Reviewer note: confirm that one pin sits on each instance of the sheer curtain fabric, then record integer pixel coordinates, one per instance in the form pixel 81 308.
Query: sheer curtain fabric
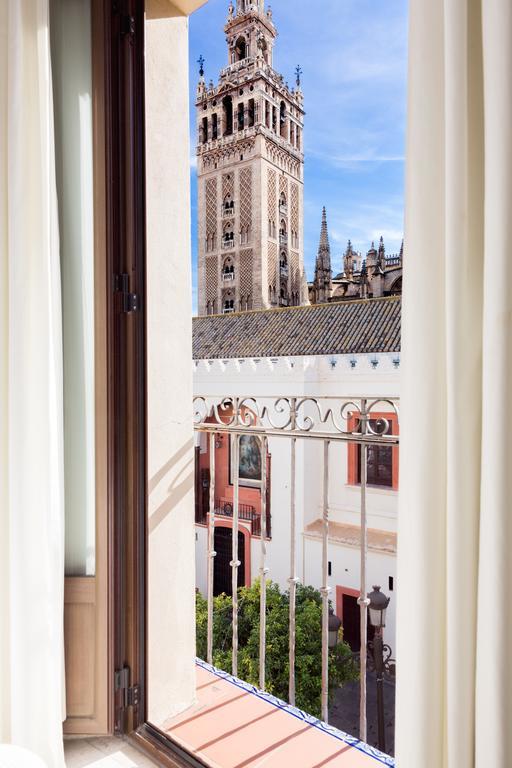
pixel 454 696
pixel 31 465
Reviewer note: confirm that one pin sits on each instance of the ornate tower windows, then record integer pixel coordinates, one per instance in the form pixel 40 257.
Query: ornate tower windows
pixel 283 233
pixel 228 207
pixel 283 207
pixel 228 301
pixel 204 131
pixel 241 49
pixel 267 114
pixel 283 264
pixel 292 133
pixel 241 116
pixel 251 113
pixel 215 126
pixel 228 270
pixel 274 119
pixel 227 106
pixel 228 236
pixel 283 125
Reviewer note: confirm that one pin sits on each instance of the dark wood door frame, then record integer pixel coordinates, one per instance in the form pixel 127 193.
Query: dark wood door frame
pixel 124 131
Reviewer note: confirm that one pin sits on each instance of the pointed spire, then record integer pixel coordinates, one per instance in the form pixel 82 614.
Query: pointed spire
pixel 323 271
pixel 324 235
pixel 402 251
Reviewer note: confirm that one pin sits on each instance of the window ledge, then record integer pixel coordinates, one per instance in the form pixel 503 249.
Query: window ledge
pixel 233 724
pixel 376 489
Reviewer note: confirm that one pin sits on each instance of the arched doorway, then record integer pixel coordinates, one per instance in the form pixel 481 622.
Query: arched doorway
pixel 222 568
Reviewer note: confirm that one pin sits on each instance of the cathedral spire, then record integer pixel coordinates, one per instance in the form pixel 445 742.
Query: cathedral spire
pixel 323 271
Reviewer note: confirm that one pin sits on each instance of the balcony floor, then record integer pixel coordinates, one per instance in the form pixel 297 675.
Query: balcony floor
pixel 233 725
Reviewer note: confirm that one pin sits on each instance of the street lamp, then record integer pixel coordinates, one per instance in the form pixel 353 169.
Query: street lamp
pixel 334 628
pixel 377 609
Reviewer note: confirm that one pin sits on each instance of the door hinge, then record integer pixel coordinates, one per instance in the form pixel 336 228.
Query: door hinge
pixel 129 301
pixel 127 25
pixel 130 693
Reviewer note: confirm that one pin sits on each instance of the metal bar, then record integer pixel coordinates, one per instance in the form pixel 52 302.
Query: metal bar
pixel 211 551
pixel 363 599
pixel 392 440
pixel 263 568
pixel 235 562
pixel 325 588
pixel 293 577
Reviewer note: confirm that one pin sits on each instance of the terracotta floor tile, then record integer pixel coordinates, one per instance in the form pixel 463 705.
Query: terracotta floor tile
pixel 230 727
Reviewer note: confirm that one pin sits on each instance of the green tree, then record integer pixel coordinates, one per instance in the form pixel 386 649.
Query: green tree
pixel 308 655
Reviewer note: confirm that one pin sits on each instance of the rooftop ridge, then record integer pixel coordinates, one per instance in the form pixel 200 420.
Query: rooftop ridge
pixel 351 302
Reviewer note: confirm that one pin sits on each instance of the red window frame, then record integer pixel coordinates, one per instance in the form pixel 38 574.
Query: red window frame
pixel 354 453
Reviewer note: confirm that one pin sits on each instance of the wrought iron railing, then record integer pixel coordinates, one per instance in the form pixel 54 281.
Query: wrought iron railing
pixel 246 512
pixel 325 420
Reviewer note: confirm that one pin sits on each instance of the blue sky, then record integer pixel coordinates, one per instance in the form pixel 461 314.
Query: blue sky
pixel 354 57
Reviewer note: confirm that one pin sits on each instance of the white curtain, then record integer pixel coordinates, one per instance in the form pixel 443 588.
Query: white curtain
pixel 31 414
pixel 454 645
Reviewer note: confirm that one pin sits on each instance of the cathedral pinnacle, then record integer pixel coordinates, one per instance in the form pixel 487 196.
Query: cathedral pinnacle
pixel 323 272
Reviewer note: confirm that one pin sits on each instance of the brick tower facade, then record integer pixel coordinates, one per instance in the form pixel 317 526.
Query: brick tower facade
pixel 250 168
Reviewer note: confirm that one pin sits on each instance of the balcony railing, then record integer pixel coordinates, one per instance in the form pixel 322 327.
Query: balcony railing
pixel 283 239
pixel 228 244
pixel 228 276
pixel 246 512
pixel 325 420
pixel 228 213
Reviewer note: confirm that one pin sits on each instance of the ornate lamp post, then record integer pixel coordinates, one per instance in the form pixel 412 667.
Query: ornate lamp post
pixel 377 609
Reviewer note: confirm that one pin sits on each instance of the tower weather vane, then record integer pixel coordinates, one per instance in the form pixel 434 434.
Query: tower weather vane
pixel 200 61
pixel 298 72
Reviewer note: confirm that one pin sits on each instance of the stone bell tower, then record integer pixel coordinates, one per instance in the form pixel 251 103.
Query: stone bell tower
pixel 250 169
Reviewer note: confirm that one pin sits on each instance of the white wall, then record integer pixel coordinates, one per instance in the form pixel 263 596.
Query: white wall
pixel 345 573
pixel 171 577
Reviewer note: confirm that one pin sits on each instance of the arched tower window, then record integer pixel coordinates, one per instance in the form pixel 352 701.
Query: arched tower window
pixel 227 104
pixel 204 130
pixel 228 269
pixel 282 121
pixel 228 236
pixel 228 206
pixel 240 49
pixel 282 203
pixel 283 264
pixel 241 116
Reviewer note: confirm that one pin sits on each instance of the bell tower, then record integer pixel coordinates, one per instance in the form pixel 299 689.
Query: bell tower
pixel 250 168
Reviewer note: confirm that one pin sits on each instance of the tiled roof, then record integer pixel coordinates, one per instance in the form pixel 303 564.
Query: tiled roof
pixel 350 327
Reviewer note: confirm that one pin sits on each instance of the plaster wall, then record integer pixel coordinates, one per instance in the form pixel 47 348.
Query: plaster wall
pixel 171 574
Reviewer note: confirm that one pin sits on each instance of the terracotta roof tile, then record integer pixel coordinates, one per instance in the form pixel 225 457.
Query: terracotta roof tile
pixel 350 327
